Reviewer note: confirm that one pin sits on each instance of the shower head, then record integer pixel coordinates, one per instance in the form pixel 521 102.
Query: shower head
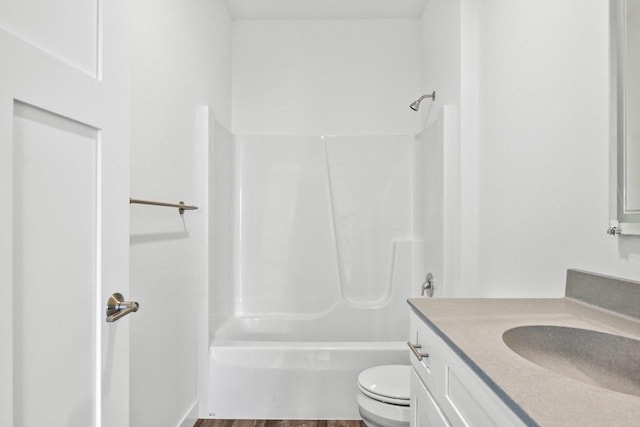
pixel 415 105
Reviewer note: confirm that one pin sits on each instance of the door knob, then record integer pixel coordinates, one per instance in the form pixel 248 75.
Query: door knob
pixel 117 307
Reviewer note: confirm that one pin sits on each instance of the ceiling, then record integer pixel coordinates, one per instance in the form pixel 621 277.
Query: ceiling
pixel 325 9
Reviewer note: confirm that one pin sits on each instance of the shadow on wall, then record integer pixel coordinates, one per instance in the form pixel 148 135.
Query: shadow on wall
pixel 136 239
pixel 160 219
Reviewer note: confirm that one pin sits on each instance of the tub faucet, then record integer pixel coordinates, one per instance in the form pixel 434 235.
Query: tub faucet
pixel 428 286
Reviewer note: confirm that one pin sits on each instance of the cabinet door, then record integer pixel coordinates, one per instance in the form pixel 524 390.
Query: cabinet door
pixel 425 412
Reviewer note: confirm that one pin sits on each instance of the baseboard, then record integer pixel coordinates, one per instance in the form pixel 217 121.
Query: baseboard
pixel 190 417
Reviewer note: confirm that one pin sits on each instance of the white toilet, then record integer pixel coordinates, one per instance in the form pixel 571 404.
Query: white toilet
pixel 384 396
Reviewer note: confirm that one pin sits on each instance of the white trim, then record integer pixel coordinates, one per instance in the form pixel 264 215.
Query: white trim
pixel 629 228
pixel 205 122
pixel 190 417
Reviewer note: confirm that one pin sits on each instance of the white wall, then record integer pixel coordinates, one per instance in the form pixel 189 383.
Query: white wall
pixel 440 54
pixel 534 146
pixel 319 77
pixel 543 164
pixel 180 59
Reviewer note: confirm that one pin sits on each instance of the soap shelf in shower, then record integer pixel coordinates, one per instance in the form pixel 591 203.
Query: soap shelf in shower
pixel 181 206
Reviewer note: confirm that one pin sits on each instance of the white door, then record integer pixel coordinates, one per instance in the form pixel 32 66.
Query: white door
pixel 64 220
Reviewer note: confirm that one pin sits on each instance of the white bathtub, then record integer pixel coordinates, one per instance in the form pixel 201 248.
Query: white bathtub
pixel 314 257
pixel 268 368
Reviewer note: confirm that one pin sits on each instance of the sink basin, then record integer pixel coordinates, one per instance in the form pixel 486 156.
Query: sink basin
pixel 596 358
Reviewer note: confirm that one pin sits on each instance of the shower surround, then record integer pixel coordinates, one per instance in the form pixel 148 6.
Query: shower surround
pixel 318 220
pixel 323 260
pixel 314 251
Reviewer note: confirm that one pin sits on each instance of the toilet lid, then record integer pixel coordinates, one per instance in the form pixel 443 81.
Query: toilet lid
pixel 389 383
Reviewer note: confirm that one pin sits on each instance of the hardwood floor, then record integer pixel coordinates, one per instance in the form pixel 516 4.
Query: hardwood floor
pixel 279 423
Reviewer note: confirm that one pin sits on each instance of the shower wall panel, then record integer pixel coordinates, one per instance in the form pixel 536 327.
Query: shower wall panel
pixel 222 224
pixel 370 189
pixel 436 199
pixel 287 254
pixel 429 198
pixel 321 219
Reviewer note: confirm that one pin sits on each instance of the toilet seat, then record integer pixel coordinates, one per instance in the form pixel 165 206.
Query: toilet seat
pixel 378 414
pixel 384 399
pixel 389 384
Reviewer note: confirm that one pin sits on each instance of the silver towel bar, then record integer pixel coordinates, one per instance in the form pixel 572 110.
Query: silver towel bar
pixel 181 206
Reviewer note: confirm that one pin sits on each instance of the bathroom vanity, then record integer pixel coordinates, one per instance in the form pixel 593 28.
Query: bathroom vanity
pixel 513 362
pixel 445 391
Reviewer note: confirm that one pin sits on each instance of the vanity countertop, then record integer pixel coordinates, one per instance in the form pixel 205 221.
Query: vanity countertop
pixel 473 328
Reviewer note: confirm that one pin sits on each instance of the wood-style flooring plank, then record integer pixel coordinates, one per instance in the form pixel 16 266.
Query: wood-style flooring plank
pixel 279 423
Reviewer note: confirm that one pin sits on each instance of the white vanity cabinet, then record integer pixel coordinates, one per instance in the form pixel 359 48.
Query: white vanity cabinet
pixel 444 389
pixel 425 412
